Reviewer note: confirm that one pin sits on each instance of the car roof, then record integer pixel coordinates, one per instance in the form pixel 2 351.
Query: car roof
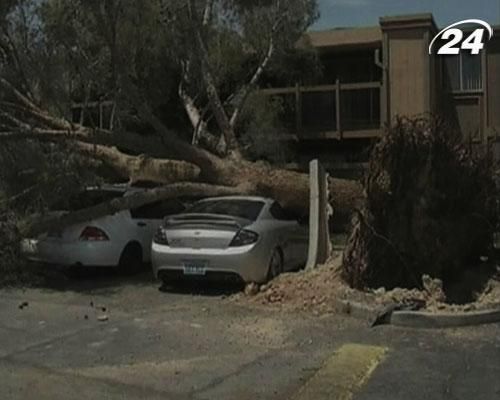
pixel 248 198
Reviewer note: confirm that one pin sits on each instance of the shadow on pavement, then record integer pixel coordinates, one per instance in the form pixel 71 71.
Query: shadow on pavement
pixel 87 279
pixel 202 288
pixel 110 280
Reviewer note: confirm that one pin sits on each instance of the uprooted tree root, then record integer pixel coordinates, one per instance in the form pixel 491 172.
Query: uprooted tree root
pixel 429 209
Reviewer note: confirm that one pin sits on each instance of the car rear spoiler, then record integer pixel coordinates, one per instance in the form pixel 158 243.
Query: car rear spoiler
pixel 202 219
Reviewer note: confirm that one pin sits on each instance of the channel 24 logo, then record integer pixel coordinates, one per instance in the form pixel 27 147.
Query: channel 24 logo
pixel 453 40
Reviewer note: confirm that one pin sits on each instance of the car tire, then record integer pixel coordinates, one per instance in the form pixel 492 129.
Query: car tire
pixel 131 259
pixel 275 264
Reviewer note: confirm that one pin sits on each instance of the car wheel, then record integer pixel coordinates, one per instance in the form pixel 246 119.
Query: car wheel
pixel 131 258
pixel 275 265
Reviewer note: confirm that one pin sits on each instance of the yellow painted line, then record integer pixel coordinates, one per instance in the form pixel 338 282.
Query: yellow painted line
pixel 343 374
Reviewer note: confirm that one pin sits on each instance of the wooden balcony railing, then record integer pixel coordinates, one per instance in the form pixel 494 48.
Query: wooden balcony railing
pixel 342 110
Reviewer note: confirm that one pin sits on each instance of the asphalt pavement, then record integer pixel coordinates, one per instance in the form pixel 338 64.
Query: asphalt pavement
pixel 122 338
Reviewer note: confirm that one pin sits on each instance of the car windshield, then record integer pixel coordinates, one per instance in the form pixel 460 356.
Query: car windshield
pixel 248 209
pixel 86 199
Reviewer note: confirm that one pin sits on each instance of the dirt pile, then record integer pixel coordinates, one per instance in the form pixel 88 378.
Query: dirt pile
pixel 322 291
pixel 490 296
pixel 317 290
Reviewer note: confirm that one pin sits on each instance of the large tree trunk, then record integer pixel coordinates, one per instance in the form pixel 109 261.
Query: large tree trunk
pixel 43 224
pixel 290 188
pixel 167 159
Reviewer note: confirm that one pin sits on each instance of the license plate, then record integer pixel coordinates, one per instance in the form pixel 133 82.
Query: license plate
pixel 195 268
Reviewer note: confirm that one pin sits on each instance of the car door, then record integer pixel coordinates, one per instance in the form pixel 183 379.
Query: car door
pixel 148 218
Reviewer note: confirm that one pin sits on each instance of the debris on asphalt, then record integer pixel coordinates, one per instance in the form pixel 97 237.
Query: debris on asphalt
pixel 85 317
pixel 23 305
pixel 251 289
pixel 322 291
pixel 102 318
pixel 434 288
pixel 491 293
pixel 316 290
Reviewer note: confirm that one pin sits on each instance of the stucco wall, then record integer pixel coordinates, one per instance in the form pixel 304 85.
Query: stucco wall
pixel 493 84
pixel 409 70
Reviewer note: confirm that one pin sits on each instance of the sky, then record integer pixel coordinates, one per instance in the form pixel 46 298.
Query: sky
pixel 347 13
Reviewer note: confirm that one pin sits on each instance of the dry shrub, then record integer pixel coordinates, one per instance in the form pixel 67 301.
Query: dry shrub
pixel 429 208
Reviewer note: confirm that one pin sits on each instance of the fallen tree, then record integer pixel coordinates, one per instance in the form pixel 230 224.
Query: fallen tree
pixel 44 224
pixel 200 168
pixel 212 162
pixel 429 209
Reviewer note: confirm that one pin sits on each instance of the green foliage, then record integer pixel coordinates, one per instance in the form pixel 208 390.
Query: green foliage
pixel 104 40
pixel 45 172
pixel 74 50
pixel 33 176
pixel 262 130
pixel 237 38
pixel 301 65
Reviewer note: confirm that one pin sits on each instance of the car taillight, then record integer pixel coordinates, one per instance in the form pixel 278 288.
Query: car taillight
pixel 244 238
pixel 93 234
pixel 161 236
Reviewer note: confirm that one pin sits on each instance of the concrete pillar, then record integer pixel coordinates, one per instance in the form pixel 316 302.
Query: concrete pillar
pixel 319 213
pixel 411 71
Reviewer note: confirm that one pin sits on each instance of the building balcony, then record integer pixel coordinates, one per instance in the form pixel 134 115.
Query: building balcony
pixel 338 111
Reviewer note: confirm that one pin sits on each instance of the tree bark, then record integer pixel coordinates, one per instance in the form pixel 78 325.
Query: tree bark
pixel 50 223
pixel 142 168
pixel 290 188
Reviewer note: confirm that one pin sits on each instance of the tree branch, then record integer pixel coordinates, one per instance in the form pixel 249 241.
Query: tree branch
pixel 48 223
pixel 141 168
pixel 205 160
pixel 240 99
pixel 211 88
pixel 17 94
pixel 201 134
pixel 207 14
pixel 10 49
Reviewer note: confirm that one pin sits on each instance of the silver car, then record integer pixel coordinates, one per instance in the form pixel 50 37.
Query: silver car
pixel 249 239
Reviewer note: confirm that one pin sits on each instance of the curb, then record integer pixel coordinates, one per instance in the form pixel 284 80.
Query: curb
pixel 426 320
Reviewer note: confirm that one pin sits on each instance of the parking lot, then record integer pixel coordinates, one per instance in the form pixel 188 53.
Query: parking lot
pixel 112 337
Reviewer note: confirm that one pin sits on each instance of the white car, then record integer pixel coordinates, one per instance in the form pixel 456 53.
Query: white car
pixel 122 239
pixel 240 238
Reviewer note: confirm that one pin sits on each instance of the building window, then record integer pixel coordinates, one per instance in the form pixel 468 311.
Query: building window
pixel 464 72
